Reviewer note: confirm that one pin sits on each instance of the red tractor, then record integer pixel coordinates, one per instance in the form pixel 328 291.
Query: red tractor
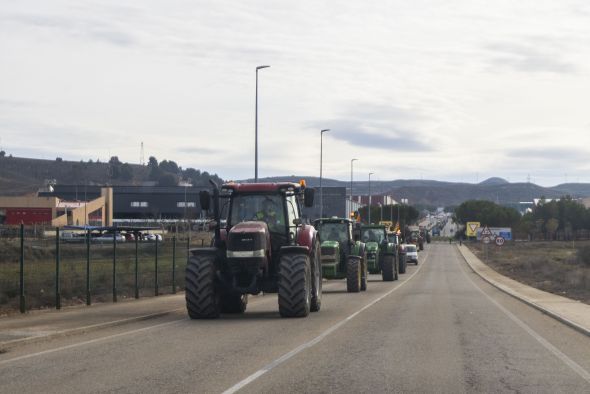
pixel 263 246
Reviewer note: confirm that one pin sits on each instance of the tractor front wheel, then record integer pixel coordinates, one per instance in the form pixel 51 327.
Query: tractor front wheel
pixel 295 286
pixel 234 303
pixel 353 274
pixel 202 297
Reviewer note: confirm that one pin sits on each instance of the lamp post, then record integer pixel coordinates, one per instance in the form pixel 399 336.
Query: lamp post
pixel 321 154
pixel 370 173
pixel 351 161
pixel 256 127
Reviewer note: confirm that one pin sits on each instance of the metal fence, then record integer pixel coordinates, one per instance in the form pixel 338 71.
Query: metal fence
pixel 47 271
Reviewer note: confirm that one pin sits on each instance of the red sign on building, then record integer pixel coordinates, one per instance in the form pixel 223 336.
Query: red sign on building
pixel 16 216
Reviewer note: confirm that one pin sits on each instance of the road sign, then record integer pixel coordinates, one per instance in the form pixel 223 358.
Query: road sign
pixel 499 241
pixel 486 232
pixel 486 240
pixel 471 229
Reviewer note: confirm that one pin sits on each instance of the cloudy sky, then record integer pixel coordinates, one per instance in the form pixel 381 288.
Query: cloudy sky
pixel 445 90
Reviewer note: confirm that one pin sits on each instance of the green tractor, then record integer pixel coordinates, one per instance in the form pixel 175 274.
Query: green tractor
pixel 381 253
pixel 341 255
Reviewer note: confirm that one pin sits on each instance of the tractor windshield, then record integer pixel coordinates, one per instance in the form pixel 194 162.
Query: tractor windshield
pixel 373 235
pixel 333 232
pixel 259 207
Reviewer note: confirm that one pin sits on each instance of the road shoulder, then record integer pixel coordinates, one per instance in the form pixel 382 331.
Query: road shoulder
pixel 570 312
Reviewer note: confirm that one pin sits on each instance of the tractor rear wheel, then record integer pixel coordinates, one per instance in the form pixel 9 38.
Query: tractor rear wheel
pixel 234 303
pixel 295 285
pixel 364 272
pixel 202 297
pixel 402 265
pixel 316 294
pixel 353 274
pixel 388 267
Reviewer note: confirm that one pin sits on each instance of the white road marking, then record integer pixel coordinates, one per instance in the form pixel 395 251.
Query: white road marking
pixel 89 342
pixel 241 384
pixel 59 349
pixel 577 368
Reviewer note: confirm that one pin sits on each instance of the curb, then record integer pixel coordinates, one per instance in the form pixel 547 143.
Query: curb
pixel 4 346
pixel 505 289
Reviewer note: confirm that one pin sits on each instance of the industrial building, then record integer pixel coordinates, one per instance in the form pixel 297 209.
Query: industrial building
pixel 56 211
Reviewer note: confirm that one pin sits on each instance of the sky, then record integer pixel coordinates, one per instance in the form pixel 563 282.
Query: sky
pixel 444 90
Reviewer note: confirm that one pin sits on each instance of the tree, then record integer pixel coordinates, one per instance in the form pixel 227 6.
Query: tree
pixel 126 172
pixel 487 213
pixel 2 153
pixel 114 160
pixel 167 179
pixel 551 226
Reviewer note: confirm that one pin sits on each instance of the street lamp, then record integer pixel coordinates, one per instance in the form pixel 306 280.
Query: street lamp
pixel 370 173
pixel 351 161
pixel 256 127
pixel 321 189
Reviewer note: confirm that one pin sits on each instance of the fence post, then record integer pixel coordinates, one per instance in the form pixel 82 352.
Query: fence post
pixel 156 293
pixel 173 265
pixel 22 269
pixel 88 300
pixel 136 266
pixel 188 246
pixel 57 281
pixel 114 266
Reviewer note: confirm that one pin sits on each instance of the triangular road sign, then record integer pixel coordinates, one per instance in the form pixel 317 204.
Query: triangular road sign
pixel 473 227
pixel 486 232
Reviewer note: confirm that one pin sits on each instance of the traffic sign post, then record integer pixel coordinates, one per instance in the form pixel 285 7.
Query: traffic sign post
pixel 499 241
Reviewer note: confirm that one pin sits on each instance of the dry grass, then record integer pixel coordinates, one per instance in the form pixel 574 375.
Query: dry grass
pixel 558 267
pixel 40 271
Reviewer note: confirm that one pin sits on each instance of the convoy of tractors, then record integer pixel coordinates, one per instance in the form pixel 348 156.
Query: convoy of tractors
pixel 261 244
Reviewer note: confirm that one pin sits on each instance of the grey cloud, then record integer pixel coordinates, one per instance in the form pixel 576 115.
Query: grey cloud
pixel 378 126
pixel 529 57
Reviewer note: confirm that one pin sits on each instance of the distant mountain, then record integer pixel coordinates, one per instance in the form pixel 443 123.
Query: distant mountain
pixel 436 193
pixel 494 181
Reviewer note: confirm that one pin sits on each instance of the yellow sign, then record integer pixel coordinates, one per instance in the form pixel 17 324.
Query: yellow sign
pixel 386 223
pixel 471 229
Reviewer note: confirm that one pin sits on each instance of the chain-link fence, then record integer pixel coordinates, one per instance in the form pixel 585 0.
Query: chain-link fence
pixel 41 269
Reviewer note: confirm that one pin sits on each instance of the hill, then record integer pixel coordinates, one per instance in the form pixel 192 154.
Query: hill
pixel 25 175
pixel 437 193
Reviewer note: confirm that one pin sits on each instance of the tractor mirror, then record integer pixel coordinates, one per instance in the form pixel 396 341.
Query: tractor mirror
pixel 205 200
pixel 308 197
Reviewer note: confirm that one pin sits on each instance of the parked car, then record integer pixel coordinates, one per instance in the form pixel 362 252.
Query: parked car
pixel 410 253
pixel 108 237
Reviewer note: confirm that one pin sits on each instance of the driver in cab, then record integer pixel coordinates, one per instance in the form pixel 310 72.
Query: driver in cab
pixel 271 215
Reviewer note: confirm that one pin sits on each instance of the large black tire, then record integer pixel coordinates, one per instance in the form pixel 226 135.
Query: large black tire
pixel 388 268
pixel 402 265
pixel 364 272
pixel 316 291
pixel 396 268
pixel 295 285
pixel 234 303
pixel 202 297
pixel 353 274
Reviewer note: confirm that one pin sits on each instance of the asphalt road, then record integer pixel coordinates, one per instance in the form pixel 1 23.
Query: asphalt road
pixel 439 329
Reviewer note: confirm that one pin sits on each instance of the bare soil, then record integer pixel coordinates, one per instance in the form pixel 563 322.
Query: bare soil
pixel 554 266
